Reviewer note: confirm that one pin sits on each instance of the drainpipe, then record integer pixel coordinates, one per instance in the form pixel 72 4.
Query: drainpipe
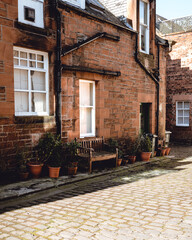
pixel 58 69
pixel 156 80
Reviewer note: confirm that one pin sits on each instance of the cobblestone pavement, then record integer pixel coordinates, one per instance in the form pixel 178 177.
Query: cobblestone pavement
pixel 156 204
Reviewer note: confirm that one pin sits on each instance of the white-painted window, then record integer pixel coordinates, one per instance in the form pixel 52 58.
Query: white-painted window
pixel 87 108
pixel 144 26
pixel 182 114
pixel 31 12
pixel 78 3
pixel 31 82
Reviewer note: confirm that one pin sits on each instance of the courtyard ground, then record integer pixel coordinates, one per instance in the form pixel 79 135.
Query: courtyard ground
pixel 155 203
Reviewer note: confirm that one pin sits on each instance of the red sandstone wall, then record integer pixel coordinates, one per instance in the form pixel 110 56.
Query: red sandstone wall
pixel 21 131
pixel 179 75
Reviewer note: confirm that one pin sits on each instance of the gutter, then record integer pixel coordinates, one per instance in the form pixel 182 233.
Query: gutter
pixel 58 69
pixel 155 80
pixel 91 70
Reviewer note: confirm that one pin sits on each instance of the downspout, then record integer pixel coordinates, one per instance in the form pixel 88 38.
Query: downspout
pixel 58 69
pixel 156 80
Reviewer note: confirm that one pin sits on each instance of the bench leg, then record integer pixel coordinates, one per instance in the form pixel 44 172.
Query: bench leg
pixel 116 156
pixel 90 166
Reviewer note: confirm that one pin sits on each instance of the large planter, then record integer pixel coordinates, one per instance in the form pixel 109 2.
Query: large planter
pixel 132 159
pixel 72 170
pixel 145 156
pixel 35 169
pixel 54 172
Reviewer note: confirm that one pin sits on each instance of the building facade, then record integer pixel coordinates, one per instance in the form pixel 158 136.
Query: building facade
pixel 74 68
pixel 179 74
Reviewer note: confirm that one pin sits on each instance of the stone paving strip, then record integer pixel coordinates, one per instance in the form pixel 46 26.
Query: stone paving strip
pixel 157 205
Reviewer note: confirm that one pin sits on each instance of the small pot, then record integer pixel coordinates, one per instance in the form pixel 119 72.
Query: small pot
pixel 119 161
pixel 162 151
pixel 167 151
pixel 23 175
pixel 145 156
pixel 132 159
pixel 72 171
pixel 155 154
pixel 125 161
pixel 54 172
pixel 35 169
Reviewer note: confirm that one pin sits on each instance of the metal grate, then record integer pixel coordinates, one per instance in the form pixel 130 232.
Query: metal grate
pixel 175 25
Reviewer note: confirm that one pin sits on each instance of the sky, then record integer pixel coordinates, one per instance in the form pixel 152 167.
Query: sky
pixel 171 9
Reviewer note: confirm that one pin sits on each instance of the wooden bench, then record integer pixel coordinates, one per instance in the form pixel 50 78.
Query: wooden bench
pixel 95 149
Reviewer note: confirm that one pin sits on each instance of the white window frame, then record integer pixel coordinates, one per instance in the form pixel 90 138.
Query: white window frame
pixel 177 114
pixel 78 3
pixel 147 26
pixel 93 109
pixel 39 12
pixel 29 91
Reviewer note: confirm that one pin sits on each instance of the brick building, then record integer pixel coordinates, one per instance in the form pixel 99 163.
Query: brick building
pixel 179 74
pixel 74 68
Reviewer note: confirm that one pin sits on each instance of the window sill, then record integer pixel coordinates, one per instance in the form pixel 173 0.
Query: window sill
pixel 30 28
pixel 34 119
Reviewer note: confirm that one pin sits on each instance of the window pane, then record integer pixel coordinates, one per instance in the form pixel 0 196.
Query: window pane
pixel 16 61
pixel 86 94
pixel 23 54
pixel 23 63
pixel 186 120
pixel 186 105
pixel 32 56
pixel 40 65
pixel 180 113
pixel 141 12
pixel 186 113
pixel 15 53
pixel 37 80
pixel 21 79
pixel 180 105
pixel 145 13
pixel 21 102
pixel 86 120
pixel 40 58
pixel 180 120
pixel 143 38
pixel 38 102
pixel 32 64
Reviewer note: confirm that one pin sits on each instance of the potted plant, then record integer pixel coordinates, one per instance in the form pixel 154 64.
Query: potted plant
pixel 131 149
pixel 71 155
pixel 54 161
pixel 145 148
pixel 112 146
pixel 42 152
pixel 21 159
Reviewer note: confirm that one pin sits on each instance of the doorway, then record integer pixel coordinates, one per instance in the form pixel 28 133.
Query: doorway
pixel 145 118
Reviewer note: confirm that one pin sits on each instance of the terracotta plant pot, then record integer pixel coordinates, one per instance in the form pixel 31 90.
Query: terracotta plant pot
pixel 145 156
pixel 119 161
pixel 132 159
pixel 125 161
pixel 72 171
pixel 167 151
pixel 54 172
pixel 23 175
pixel 35 169
pixel 155 154
pixel 162 152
